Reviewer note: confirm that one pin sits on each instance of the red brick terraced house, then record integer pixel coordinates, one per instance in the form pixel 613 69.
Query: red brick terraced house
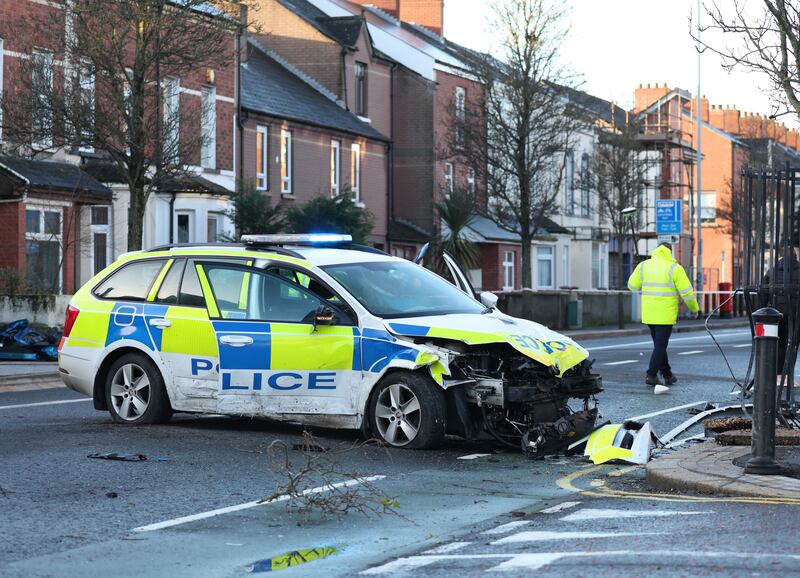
pixel 299 143
pixel 94 216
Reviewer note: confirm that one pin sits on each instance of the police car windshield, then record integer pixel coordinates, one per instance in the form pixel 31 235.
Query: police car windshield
pixel 392 289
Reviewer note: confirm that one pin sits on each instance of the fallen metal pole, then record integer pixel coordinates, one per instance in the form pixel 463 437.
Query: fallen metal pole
pixel 762 460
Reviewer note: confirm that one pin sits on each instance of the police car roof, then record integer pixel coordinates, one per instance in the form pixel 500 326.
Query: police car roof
pixel 322 256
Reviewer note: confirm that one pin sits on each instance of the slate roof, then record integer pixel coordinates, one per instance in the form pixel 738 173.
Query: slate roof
pixel 490 231
pixel 342 29
pixel 403 230
pixel 192 184
pixel 600 107
pixel 272 87
pixel 52 176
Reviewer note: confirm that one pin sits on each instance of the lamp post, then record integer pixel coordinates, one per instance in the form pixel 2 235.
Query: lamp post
pixel 628 213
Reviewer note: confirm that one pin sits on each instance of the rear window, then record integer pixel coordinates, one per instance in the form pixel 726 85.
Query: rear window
pixel 131 282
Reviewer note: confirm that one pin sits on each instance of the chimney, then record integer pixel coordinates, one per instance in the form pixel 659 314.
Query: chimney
pixel 646 96
pixel 427 13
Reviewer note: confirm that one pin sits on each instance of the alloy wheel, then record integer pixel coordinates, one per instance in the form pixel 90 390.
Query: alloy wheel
pixel 130 392
pixel 398 414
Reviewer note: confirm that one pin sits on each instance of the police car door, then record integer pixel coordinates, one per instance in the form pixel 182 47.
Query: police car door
pixel 275 354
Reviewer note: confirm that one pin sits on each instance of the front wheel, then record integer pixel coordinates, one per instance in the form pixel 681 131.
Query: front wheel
pixel 135 392
pixel 408 410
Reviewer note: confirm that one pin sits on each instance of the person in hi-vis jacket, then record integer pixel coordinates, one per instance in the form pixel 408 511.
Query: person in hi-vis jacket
pixel 662 282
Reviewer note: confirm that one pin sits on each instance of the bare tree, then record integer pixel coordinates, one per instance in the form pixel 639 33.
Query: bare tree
pixel 761 36
pixel 119 91
pixel 618 174
pixel 524 124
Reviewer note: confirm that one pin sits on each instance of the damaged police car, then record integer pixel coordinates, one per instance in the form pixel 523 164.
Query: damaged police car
pixel 316 330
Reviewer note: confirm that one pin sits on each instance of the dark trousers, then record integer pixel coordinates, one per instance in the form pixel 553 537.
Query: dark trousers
pixel 659 360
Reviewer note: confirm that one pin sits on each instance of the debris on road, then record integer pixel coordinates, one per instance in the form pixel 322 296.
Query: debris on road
pixel 291 559
pixel 112 495
pixel 119 457
pixel 723 424
pixel 19 342
pixel 630 442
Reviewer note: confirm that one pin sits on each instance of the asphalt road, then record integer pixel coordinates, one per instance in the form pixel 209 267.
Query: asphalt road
pixel 189 509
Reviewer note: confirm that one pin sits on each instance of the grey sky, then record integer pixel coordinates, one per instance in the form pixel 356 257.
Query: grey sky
pixel 617 44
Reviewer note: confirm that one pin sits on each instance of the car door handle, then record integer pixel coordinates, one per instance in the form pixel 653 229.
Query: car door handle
pixel 236 340
pixel 160 323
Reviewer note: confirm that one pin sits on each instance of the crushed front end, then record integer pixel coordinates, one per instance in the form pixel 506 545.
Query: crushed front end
pixel 494 391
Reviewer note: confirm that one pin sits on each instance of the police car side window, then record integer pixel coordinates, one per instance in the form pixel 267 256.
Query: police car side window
pixel 168 292
pixel 191 294
pixel 131 282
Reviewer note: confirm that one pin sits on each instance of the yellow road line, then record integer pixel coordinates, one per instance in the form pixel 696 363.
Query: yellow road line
pixel 600 491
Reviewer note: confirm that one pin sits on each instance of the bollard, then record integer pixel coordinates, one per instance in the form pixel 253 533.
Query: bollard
pixel 762 460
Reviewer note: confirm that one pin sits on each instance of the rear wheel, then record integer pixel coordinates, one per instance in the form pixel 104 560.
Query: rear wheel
pixel 135 392
pixel 408 410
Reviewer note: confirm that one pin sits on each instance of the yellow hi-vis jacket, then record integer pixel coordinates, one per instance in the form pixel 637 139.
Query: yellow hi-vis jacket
pixel 662 280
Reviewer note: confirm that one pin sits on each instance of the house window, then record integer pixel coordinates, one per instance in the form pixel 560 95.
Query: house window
pixel 336 147
pixel 361 89
pixel 509 276
pixel 544 261
pixel 100 235
pixel 261 158
pixel 43 237
pixel 565 266
pixel 569 183
pixel 460 115
pixel 355 171
pixel 586 208
pixel 172 99
pixel 208 127
pixel 213 227
pixel 86 82
pixel 599 257
pixel 184 226
pixel 471 180
pixel 286 162
pixel 448 179
pixel 708 209
pixel 42 85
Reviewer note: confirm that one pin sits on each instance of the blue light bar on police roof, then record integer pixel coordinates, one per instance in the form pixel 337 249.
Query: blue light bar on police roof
pixel 295 239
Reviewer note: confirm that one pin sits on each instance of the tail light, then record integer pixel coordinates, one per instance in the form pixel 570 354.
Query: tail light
pixel 69 319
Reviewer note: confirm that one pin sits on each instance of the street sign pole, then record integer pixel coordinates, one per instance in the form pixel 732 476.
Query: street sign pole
pixel 698 192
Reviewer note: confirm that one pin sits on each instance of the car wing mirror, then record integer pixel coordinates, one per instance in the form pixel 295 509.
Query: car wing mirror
pixel 324 316
pixel 489 299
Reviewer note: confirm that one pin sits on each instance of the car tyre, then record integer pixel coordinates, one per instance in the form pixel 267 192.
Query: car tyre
pixel 135 391
pixel 407 409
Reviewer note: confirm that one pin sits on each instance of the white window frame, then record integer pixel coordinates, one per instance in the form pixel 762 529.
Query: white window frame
pixel 586 199
pixel 361 88
pixel 192 231
pixel 449 172
pixel 172 116
pixel 336 157
pixel 262 177
pixel 218 219
pixel 460 115
pixel 86 84
pixel 706 208
pixel 101 230
pixel 569 182
pixel 46 114
pixel 355 171
pixel 471 181
pixel 208 127
pixel 509 270
pixel 42 235
pixel 549 258
pixel 2 58
pixel 565 273
pixel 286 162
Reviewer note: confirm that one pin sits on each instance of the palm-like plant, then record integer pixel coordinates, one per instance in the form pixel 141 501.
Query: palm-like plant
pixel 458 211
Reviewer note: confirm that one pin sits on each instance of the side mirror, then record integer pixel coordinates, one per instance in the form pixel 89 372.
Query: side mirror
pixel 324 316
pixel 489 299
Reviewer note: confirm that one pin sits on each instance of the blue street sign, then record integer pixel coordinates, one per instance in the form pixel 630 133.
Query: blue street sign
pixel 669 216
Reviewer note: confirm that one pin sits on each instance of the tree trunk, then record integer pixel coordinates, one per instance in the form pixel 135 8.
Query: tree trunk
pixel 527 270
pixel 136 219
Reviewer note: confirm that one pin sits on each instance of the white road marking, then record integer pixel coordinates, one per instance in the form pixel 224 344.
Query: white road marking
pixel 668 410
pixel 545 536
pixel 559 507
pixel 472 456
pixel 693 352
pixel 605 514
pixel 674 340
pixel 533 561
pixel 245 506
pixel 506 528
pixel 45 403
pixel 447 548
pixel 622 362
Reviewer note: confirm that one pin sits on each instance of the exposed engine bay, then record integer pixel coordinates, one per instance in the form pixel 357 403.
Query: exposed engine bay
pixel 496 392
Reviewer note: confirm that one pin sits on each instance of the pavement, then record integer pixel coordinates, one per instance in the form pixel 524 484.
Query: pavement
pixel 28 375
pixel 631 328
